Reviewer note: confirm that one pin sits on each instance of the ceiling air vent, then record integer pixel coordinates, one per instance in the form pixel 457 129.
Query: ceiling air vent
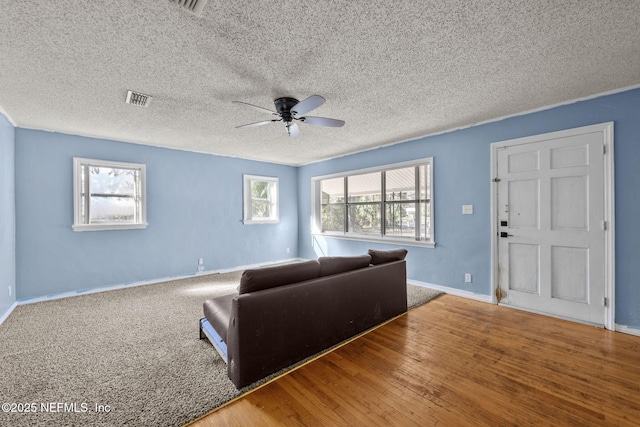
pixel 137 98
pixel 193 6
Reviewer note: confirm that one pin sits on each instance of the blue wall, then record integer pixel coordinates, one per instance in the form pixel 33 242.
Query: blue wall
pixel 195 207
pixel 194 210
pixel 462 174
pixel 7 216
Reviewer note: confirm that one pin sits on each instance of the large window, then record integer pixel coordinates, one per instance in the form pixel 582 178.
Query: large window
pixel 260 199
pixel 392 203
pixel 108 195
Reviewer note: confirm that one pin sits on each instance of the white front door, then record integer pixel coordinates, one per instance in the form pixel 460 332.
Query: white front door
pixel 551 225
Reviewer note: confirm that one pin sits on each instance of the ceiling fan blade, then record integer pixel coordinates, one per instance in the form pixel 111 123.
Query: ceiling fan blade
pixel 264 110
pixel 293 130
pixel 308 104
pixel 250 125
pixel 322 121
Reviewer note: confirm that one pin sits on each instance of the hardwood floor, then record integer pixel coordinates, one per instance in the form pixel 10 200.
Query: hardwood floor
pixel 456 362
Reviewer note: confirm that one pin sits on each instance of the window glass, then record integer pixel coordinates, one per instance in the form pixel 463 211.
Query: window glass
pixel 400 219
pixel 260 199
pixel 333 217
pixel 364 188
pixel 108 195
pixel 389 203
pixel 333 208
pixel 261 205
pixel 401 184
pixel 332 190
pixel 364 218
pixel 112 196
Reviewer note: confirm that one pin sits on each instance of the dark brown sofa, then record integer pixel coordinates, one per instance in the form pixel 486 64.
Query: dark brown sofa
pixel 283 314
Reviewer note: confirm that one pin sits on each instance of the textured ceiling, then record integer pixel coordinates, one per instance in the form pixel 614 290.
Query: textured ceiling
pixel 392 70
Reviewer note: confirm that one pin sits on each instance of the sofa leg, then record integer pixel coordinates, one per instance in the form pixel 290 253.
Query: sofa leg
pixel 202 335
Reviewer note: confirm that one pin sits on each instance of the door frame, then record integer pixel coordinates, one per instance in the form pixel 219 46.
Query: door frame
pixel 609 208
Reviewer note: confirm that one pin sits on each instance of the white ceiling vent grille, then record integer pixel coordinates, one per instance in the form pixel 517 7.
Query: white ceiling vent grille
pixel 137 98
pixel 193 6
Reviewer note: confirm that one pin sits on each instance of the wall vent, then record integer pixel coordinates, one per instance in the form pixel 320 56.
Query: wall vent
pixel 137 98
pixel 193 6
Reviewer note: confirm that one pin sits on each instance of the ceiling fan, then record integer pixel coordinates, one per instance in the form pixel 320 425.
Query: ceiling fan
pixel 288 110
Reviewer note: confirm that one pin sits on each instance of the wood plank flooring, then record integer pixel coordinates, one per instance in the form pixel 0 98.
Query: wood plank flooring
pixel 457 362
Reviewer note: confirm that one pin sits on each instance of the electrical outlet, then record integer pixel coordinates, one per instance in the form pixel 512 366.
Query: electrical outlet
pixel 467 278
pixel 467 209
pixel 9 290
pixel 288 250
pixel 200 264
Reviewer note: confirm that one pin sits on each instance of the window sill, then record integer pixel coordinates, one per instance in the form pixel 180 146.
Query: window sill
pixel 260 221
pixel 105 227
pixel 387 240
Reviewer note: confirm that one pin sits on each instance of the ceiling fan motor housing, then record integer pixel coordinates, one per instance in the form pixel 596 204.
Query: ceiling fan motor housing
pixel 284 106
pixel 289 109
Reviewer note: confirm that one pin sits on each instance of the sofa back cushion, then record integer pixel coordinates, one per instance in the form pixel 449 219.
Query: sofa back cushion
pixel 257 279
pixel 380 257
pixel 338 264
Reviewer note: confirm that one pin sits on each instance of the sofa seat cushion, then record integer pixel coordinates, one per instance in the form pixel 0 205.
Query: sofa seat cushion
pixel 218 312
pixel 339 264
pixel 270 277
pixel 381 257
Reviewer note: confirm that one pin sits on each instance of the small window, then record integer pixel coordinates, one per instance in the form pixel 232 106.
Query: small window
pixel 260 200
pixel 108 195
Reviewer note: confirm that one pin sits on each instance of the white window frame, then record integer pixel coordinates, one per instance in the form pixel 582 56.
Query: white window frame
pixel 80 222
pixel 273 199
pixel 316 206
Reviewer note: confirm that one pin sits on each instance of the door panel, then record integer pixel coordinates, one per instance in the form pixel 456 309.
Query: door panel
pixel 569 203
pixel 566 157
pixel 523 270
pixel 524 162
pixel 570 273
pixel 522 208
pixel 550 210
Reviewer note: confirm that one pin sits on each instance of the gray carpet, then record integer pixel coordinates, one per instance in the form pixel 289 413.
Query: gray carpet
pixel 135 351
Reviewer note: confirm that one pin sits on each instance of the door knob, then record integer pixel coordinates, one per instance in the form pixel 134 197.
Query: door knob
pixel 504 234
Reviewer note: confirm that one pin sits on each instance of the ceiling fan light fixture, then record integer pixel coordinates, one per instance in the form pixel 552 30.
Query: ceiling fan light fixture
pixel 292 129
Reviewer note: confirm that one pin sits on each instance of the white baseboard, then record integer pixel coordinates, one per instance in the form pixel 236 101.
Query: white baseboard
pixel 453 291
pixel 8 312
pixel 487 298
pixel 142 283
pixel 628 330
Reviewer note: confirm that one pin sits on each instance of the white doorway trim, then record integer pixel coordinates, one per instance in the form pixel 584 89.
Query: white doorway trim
pixel 609 214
